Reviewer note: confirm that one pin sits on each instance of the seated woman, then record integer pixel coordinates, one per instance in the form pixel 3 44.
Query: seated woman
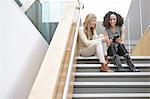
pixel 90 43
pixel 115 35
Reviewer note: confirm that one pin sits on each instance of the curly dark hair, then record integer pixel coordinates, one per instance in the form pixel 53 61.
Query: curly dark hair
pixel 106 21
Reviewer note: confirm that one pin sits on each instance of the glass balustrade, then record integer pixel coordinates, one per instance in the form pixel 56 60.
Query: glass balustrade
pixel 45 15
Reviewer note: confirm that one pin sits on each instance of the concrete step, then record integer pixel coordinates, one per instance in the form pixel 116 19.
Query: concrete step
pixel 113 79
pixel 99 90
pixel 95 60
pixel 112 74
pixel 90 83
pixel 132 57
pixel 113 69
pixel 96 67
pixel 112 96
pixel 111 84
pixel 146 65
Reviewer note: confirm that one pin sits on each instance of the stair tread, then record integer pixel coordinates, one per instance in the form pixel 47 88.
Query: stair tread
pixel 95 57
pixel 113 95
pixel 107 88
pixel 112 74
pixel 110 84
pixel 111 65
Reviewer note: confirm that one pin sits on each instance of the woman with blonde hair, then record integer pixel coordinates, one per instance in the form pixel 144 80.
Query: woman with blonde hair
pixel 90 43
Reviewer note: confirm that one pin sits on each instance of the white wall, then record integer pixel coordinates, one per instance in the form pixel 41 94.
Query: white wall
pixel 22 49
pixel 101 7
pixel 145 4
pixel 138 21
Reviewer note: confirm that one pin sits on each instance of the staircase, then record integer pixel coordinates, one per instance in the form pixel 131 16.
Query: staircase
pixel 90 83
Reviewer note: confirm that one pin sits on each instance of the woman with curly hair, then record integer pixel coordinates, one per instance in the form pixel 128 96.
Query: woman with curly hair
pixel 90 43
pixel 114 33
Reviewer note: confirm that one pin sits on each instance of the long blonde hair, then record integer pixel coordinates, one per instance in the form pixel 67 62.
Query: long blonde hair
pixel 87 27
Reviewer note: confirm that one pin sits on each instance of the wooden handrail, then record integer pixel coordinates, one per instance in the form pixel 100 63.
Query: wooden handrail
pixel 143 47
pixel 70 67
pixel 47 81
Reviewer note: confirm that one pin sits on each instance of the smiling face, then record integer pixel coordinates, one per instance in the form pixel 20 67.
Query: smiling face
pixel 113 20
pixel 93 23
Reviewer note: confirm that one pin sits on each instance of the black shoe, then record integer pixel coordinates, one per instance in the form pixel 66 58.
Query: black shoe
pixel 133 68
pixel 130 63
pixel 136 70
pixel 121 70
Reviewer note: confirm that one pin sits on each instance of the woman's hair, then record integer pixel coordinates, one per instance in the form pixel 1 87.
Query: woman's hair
pixel 87 25
pixel 106 21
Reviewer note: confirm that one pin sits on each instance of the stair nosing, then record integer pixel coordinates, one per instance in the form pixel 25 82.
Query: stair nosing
pixel 111 74
pixel 112 95
pixel 111 83
pixel 110 65
pixel 95 57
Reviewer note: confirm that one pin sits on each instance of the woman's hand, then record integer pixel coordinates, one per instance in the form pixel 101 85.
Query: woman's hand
pixel 109 42
pixel 122 42
pixel 119 40
pixel 100 36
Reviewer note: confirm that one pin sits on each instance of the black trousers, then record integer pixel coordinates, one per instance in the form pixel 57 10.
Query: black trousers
pixel 116 50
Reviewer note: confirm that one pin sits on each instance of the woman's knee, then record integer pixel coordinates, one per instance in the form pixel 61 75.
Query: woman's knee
pixel 99 43
pixel 111 50
pixel 122 49
pixel 96 44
